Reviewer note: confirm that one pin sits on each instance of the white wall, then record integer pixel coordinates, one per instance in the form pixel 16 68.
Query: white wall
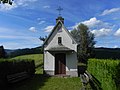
pixel 66 40
pixel 49 61
pixel 71 61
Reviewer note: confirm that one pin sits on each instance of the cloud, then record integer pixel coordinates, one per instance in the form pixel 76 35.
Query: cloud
pixel 101 32
pixel 109 11
pixel 92 22
pixel 97 27
pixel 116 46
pixel 98 46
pixel 23 44
pixel 49 28
pixel 22 41
pixel 117 33
pixel 70 28
pixel 6 7
pixel 102 45
pixel 41 22
pixel 47 6
pixel 16 3
pixel 24 2
pixel 20 37
pixel 95 23
pixel 32 29
pixel 11 45
pixel 16 38
pixel 39 19
pixel 7 37
pixel 10 31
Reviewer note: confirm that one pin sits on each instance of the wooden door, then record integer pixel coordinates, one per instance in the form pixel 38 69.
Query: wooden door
pixel 60 63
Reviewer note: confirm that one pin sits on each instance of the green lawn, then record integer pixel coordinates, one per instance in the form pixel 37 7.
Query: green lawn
pixel 38 58
pixel 41 82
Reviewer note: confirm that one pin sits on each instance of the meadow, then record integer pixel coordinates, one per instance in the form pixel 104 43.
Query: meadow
pixel 41 82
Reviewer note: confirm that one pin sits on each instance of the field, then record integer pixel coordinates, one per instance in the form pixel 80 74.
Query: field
pixel 41 82
pixel 38 58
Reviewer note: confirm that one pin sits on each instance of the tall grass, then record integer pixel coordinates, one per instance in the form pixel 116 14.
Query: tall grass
pixel 107 72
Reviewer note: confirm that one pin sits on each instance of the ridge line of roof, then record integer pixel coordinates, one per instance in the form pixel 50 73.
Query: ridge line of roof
pixel 54 29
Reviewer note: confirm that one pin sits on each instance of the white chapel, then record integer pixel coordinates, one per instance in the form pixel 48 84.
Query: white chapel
pixel 60 51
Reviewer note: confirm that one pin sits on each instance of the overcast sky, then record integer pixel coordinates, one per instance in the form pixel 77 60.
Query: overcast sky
pixel 25 21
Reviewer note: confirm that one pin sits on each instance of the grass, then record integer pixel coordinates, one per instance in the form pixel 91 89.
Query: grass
pixel 41 82
pixel 38 58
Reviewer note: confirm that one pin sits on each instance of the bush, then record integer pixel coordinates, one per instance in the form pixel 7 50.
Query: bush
pixel 2 52
pixel 106 72
pixel 8 67
pixel 81 68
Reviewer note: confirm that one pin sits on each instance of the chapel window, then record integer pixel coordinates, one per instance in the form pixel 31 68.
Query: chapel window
pixel 59 40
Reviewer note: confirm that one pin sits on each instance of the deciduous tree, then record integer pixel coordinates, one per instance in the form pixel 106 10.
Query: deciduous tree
pixel 85 40
pixel 6 1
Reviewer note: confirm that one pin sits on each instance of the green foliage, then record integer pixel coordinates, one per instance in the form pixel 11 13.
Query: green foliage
pixel 6 1
pixel 9 67
pixel 85 40
pixel 107 72
pixel 107 53
pixel 15 66
pixel 2 52
pixel 76 35
pixel 43 38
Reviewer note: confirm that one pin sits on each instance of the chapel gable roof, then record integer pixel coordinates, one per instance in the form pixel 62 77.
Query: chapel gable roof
pixel 58 23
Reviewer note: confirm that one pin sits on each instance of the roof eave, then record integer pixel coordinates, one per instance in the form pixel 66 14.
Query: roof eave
pixel 52 31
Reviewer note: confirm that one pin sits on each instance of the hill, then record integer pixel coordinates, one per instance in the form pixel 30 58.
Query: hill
pixel 99 53
pixel 8 51
pixel 107 53
pixel 25 51
pixel 38 58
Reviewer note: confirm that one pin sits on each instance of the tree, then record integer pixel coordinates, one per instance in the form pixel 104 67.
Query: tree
pixel 43 38
pixel 85 40
pixel 2 52
pixel 6 1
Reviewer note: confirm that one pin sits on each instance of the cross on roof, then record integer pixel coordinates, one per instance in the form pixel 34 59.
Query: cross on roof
pixel 59 10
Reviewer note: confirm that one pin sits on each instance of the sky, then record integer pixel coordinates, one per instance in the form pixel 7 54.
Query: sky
pixel 22 23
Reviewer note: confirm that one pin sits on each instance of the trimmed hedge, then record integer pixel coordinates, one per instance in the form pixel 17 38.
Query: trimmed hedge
pixel 9 67
pixel 107 72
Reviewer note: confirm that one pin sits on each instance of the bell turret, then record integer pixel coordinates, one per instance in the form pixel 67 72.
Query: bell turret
pixel 60 19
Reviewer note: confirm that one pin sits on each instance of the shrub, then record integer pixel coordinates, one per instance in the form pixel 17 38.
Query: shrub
pixel 107 73
pixel 8 67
